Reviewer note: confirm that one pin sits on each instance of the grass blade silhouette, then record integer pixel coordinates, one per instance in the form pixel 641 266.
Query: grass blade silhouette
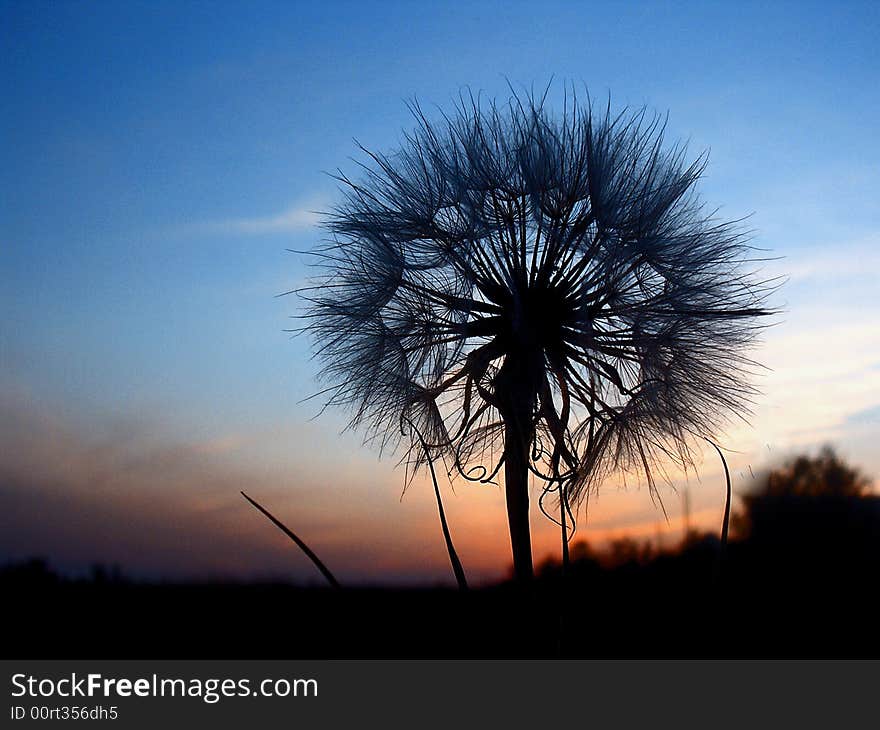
pixel 725 523
pixel 450 548
pixel 325 571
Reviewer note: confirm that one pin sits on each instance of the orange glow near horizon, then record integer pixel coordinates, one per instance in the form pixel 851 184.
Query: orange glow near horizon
pixel 169 506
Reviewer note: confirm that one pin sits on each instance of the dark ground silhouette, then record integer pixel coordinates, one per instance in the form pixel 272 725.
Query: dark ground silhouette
pixel 770 601
pixel 800 580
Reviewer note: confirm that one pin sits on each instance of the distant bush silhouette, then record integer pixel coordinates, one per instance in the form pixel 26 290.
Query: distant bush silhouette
pixel 825 475
pixel 809 507
pixel 543 293
pixel 814 513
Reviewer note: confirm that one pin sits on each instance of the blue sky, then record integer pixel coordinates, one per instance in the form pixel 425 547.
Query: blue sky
pixel 158 159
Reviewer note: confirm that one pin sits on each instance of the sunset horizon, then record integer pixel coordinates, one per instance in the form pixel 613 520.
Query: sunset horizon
pixel 160 185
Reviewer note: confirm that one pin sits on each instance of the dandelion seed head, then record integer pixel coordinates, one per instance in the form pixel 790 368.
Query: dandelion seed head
pixel 556 270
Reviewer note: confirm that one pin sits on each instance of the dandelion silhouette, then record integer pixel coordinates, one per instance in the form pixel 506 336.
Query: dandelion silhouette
pixel 535 292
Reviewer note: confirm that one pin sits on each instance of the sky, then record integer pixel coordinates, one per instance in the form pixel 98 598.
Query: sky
pixel 159 160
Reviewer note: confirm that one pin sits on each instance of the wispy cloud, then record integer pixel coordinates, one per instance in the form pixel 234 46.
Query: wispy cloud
pixel 296 218
pixel 157 505
pixel 856 258
pixel 867 415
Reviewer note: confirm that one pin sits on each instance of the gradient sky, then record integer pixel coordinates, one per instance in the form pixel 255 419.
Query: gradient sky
pixel 158 159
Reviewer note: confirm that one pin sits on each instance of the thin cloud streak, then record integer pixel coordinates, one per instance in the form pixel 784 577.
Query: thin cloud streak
pixel 857 259
pixel 295 219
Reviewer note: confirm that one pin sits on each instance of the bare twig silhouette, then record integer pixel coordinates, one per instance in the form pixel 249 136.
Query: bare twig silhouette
pixel 325 571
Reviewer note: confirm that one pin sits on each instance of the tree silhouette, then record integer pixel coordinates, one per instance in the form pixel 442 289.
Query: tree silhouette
pixel 810 499
pixel 824 475
pixel 543 293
